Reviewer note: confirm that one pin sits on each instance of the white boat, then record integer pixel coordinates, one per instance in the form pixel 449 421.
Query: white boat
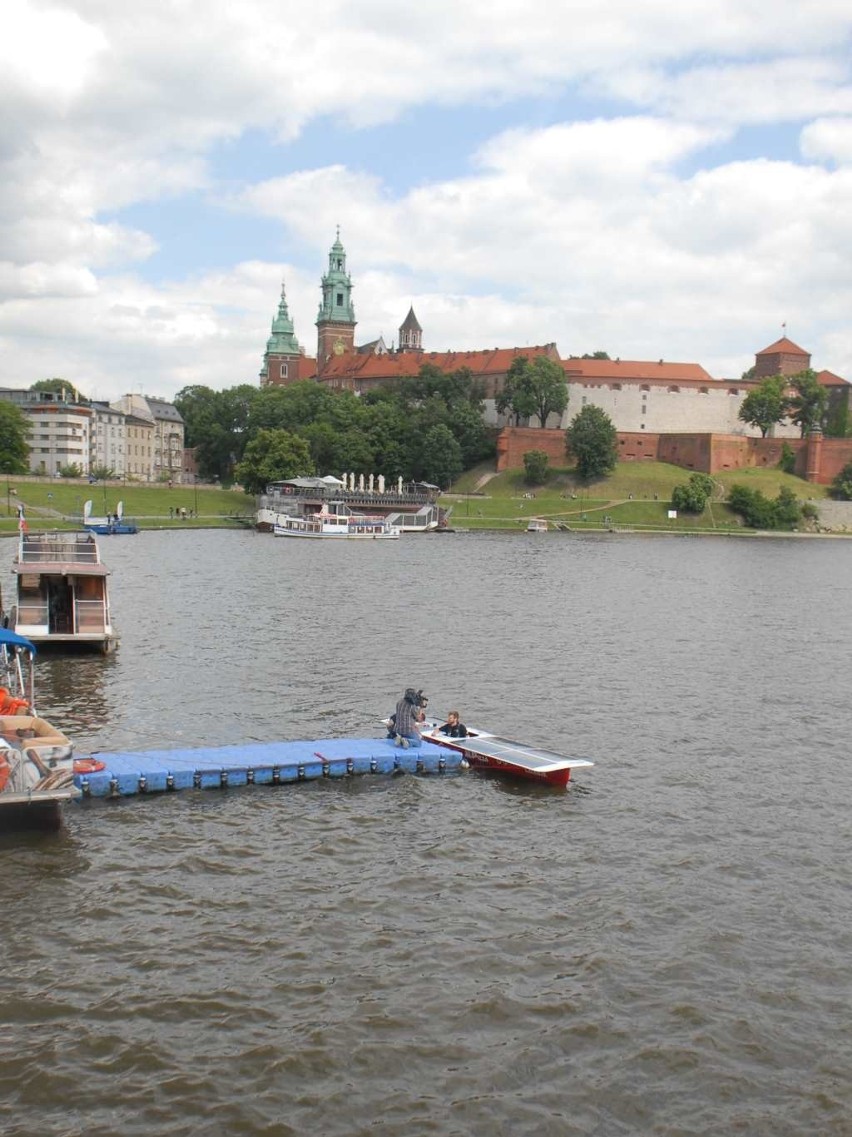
pixel 335 521
pixel 112 523
pixel 62 597
pixel 537 525
pixel 36 761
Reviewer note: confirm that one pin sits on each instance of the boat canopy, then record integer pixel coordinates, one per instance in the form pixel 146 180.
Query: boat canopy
pixel 12 639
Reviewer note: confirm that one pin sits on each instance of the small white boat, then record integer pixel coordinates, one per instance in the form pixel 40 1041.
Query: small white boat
pixel 36 761
pixel 335 521
pixel 112 523
pixel 490 752
pixel 537 525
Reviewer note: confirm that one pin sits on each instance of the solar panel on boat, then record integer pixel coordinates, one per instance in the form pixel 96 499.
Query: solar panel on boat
pixel 530 757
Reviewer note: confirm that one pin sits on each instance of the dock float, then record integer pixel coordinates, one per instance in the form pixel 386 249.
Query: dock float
pixel 125 774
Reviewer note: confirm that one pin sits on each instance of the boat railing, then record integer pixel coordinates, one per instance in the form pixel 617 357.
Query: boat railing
pixel 37 548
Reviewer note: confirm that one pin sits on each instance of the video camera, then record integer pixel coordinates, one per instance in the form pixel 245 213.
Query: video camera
pixel 416 698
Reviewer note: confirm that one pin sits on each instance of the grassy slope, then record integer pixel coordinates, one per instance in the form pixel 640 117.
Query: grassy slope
pixel 635 495
pixel 55 504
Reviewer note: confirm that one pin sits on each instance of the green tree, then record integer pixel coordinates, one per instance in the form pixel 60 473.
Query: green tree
pixel 215 424
pixel 759 512
pixel 693 497
pixel 441 461
pixel 14 432
pixel 534 388
pixel 766 404
pixel 593 441
pixel 787 461
pixel 841 487
pixel 58 387
pixel 271 456
pixel 536 464
pixel 807 407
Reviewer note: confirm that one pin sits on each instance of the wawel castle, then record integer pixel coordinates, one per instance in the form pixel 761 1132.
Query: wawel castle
pixel 672 411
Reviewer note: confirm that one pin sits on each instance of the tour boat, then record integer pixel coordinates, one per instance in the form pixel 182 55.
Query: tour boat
pixel 537 525
pixel 112 524
pixel 62 598
pixel 490 752
pixel 37 765
pixel 335 521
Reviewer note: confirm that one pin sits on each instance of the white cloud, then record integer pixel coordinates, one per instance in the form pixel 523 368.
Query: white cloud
pixel 599 234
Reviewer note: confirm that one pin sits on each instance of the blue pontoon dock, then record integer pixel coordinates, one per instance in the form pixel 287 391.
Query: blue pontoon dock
pixel 258 763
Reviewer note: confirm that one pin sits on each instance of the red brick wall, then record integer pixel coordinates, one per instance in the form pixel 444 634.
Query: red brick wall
pixel 705 453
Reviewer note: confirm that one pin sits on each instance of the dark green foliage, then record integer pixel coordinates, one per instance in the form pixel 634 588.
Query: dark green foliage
pixel 787 462
pixel 693 497
pixel 536 388
pixel 441 460
pixel 807 407
pixel 382 432
pixel 536 465
pixel 14 432
pixel 759 512
pixel 593 441
pixel 271 456
pixel 841 487
pixel 58 387
pixel 72 470
pixel 766 404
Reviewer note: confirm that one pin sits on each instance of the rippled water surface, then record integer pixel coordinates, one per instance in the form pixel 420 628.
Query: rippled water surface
pixel 662 949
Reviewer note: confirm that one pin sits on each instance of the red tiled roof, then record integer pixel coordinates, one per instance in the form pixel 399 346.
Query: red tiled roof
pixel 405 364
pixel 783 345
pixel 829 379
pixel 631 369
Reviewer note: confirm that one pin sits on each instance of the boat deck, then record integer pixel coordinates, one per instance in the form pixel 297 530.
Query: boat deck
pixel 531 758
pixel 258 763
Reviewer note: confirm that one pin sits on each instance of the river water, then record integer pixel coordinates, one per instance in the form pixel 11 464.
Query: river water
pixel 662 949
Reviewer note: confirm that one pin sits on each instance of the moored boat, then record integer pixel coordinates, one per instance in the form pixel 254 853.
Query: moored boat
pixel 537 525
pixel 335 520
pixel 111 524
pixel 490 752
pixel 62 597
pixel 36 760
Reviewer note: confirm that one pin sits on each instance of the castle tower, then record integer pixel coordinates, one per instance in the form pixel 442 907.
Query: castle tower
pixel 281 361
pixel 336 317
pixel 781 358
pixel 410 333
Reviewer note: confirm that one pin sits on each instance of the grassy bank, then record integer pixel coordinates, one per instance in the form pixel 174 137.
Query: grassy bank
pixel 58 504
pixel 636 495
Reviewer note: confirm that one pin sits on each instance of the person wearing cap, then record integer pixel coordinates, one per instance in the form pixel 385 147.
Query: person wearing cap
pixel 408 717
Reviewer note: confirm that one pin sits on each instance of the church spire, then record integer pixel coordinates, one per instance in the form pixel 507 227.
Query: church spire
pixel 280 360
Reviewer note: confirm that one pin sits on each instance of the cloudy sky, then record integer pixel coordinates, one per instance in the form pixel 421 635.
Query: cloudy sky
pixel 657 180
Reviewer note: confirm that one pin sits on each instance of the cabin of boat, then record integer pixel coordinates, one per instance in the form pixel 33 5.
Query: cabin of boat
pixel 62 597
pixel 336 520
pixel 411 507
pixel 537 525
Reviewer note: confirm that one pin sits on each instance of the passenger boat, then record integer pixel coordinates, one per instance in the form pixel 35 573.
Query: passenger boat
pixel 62 597
pixel 490 752
pixel 335 520
pixel 537 525
pixel 37 766
pixel 109 525
pixel 411 507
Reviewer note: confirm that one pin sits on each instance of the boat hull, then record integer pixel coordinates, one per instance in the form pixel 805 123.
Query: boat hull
pixel 489 753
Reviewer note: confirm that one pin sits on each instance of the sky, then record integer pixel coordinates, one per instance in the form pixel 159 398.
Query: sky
pixel 657 180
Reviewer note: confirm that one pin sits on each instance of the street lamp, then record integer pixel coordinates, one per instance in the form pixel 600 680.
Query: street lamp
pixel 195 485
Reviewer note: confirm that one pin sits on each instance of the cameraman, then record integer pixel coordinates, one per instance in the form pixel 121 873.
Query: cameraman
pixel 409 714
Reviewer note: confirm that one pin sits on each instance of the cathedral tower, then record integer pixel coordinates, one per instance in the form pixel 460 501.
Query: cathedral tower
pixel 336 317
pixel 282 361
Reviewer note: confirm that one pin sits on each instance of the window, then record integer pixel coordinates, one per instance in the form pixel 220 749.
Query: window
pixel 644 387
pixel 733 391
pixel 340 300
pixel 283 370
pixel 674 390
pixel 615 386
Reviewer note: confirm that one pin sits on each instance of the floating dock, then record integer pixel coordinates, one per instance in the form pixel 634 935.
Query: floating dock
pixel 258 763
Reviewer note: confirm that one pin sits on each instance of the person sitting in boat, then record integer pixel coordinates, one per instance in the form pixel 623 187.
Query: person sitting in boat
pixel 454 727
pixel 408 715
